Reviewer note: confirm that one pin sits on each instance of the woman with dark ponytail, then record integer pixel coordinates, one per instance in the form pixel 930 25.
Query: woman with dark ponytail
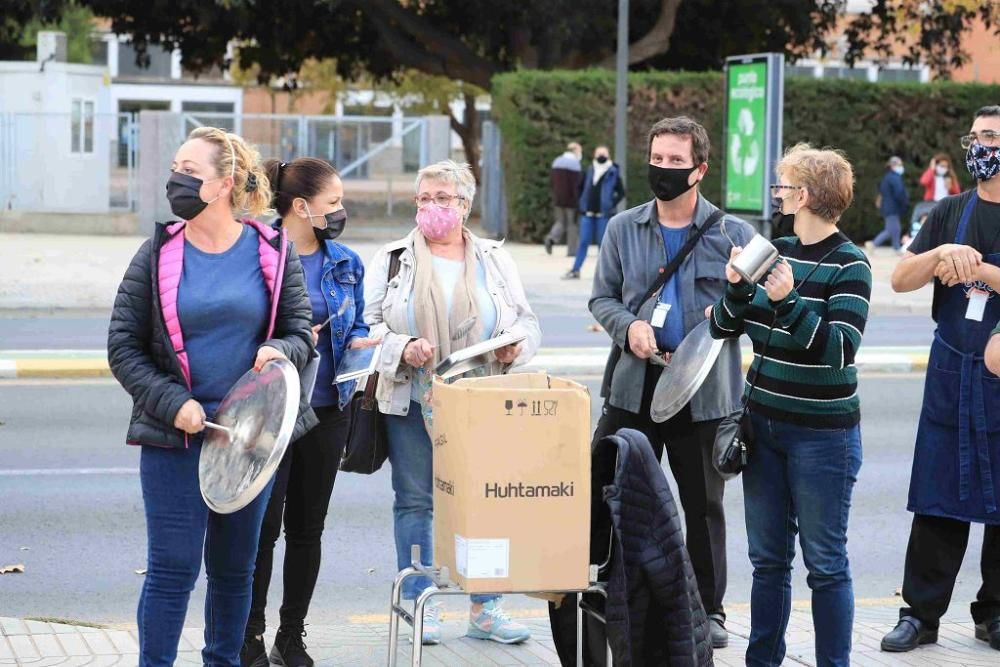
pixel 309 197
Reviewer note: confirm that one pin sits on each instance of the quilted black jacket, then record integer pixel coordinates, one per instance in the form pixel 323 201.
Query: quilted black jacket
pixel 654 612
pixel 143 360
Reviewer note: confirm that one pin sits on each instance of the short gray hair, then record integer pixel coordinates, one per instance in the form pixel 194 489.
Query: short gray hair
pixel 450 171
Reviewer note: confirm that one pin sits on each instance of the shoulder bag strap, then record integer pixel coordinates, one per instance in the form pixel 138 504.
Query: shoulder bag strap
pixel 672 266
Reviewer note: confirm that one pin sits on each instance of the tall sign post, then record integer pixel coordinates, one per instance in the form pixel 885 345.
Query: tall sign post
pixel 755 90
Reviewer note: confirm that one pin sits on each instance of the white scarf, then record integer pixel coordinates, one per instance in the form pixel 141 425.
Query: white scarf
pixel 601 169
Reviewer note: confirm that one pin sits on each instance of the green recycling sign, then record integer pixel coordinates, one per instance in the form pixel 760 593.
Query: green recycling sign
pixel 746 136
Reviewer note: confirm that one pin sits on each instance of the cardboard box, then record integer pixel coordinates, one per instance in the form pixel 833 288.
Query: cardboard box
pixel 512 483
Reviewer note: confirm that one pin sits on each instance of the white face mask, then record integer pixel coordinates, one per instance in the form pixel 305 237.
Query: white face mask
pixel 941 170
pixel 898 169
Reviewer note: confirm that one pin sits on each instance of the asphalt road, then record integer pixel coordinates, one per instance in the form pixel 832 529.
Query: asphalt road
pixel 71 512
pixel 563 325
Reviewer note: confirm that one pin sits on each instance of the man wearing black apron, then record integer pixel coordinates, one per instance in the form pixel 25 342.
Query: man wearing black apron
pixel 956 465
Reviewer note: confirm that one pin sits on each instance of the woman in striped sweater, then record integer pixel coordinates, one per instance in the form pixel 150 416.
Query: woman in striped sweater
pixel 806 321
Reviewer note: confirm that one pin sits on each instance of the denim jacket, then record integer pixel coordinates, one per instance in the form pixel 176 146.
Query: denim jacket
pixel 631 255
pixel 344 293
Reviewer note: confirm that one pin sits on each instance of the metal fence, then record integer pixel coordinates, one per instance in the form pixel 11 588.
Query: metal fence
pixel 80 162
pixel 86 162
pixel 361 147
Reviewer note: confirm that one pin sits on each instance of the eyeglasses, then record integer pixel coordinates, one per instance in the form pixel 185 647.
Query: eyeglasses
pixel 986 138
pixel 777 188
pixel 441 199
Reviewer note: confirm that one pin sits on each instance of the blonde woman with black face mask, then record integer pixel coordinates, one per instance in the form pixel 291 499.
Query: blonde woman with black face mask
pixel 206 283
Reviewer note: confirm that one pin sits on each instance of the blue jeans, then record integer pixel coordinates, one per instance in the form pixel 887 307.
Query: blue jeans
pixel 179 526
pixel 799 480
pixel 890 233
pixel 411 458
pixel 591 231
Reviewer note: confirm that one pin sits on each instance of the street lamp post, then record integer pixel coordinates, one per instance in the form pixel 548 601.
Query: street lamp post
pixel 621 91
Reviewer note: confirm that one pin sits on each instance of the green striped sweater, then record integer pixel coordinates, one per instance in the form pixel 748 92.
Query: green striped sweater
pixel 808 375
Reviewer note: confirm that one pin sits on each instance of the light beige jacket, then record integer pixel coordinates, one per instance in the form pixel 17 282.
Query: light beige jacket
pixel 387 304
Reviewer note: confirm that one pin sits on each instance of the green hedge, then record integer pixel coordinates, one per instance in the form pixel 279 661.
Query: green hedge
pixel 539 112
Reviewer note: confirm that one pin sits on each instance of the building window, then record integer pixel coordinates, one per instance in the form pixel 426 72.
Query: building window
pixel 82 127
pixel 800 70
pixel 898 74
pixel 158 63
pixel 845 73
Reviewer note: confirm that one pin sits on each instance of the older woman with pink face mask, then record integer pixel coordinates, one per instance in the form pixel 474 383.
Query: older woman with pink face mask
pixel 452 290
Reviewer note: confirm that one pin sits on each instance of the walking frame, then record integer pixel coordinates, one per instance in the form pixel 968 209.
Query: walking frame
pixel 442 585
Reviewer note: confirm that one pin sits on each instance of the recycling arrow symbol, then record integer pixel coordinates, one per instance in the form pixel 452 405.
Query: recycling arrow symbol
pixel 744 148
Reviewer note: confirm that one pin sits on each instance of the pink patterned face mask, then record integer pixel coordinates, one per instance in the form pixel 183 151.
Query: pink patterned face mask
pixel 437 222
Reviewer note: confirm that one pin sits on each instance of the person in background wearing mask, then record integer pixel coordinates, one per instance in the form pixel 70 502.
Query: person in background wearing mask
pixel 309 197
pixel 804 406
pixel 893 204
pixel 955 479
pixel 639 243
pixel 452 290
pixel 564 183
pixel 939 180
pixel 194 312
pixel 602 190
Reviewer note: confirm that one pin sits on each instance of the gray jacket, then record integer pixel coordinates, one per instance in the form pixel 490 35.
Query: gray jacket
pixel 386 307
pixel 631 255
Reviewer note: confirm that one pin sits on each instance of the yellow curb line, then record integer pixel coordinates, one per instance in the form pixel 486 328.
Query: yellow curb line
pixel 61 368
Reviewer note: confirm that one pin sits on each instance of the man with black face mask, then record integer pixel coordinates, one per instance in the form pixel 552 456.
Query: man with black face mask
pixel 639 244
pixel 955 480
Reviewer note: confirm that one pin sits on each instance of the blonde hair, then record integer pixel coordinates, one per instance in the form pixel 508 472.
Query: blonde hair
pixel 826 175
pixel 235 157
pixel 450 171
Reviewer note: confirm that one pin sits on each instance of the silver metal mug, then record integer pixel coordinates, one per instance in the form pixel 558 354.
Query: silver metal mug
pixel 756 259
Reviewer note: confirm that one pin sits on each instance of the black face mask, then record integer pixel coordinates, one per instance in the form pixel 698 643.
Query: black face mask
pixel 669 184
pixel 335 223
pixel 782 224
pixel 602 159
pixel 184 195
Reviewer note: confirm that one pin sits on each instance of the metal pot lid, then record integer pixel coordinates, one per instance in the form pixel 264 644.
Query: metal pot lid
pixel 688 368
pixel 474 356
pixel 260 410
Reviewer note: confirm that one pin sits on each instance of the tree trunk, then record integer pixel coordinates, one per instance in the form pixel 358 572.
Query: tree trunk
pixel 468 131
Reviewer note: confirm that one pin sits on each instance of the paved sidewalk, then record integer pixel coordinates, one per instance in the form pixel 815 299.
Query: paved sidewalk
pixel 41 644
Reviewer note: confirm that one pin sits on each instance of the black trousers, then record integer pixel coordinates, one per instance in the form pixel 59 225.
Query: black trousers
pixel 933 559
pixel 302 488
pixel 688 446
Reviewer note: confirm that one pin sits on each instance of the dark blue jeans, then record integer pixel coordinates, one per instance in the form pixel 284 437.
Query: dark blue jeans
pixel 799 480
pixel 592 230
pixel 412 459
pixel 179 527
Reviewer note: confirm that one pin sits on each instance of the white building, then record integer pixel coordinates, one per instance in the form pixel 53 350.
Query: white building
pixel 54 132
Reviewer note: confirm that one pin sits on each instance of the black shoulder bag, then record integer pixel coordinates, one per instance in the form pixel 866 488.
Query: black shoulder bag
pixel 735 437
pixel 661 280
pixel 365 450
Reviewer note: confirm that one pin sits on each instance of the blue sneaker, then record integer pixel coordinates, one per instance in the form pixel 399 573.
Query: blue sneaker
pixel 432 624
pixel 492 623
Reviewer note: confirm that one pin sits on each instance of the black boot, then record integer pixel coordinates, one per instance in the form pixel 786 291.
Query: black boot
pixel 289 650
pixel 717 628
pixel 253 653
pixel 908 634
pixel 989 631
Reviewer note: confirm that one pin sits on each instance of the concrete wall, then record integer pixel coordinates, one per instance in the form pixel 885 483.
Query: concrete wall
pixel 175 94
pixel 160 135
